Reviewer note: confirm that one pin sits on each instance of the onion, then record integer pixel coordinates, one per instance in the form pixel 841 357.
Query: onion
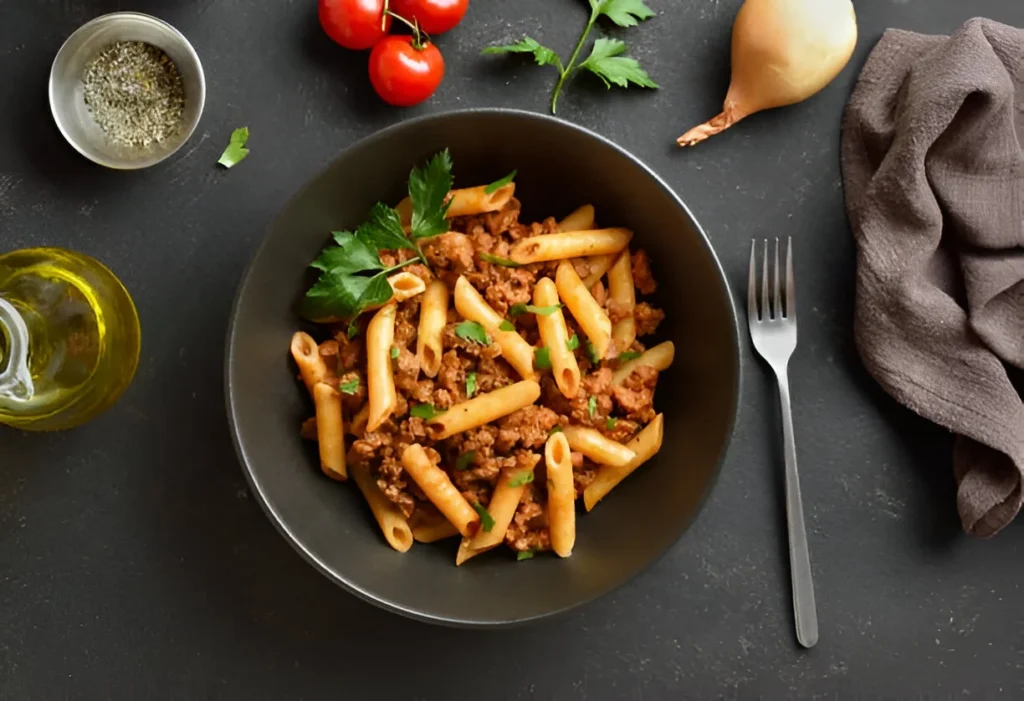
pixel 783 51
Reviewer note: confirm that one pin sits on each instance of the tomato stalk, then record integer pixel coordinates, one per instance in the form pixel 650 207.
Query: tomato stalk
pixel 420 39
pixel 384 17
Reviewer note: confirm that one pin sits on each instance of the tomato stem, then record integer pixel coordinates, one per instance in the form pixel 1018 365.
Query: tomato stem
pixel 420 39
pixel 384 16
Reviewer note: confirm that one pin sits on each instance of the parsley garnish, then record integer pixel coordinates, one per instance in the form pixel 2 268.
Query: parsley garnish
pixel 472 331
pixel 592 406
pixel 629 355
pixel 498 184
pixel 524 477
pixel 470 385
pixel 395 352
pixel 428 188
pixel 497 260
pixel 524 555
pixel 425 411
pixel 465 461
pixel 520 308
pixel 555 429
pixel 506 325
pixel 573 343
pixel 610 423
pixel 486 520
pixel 595 359
pixel 542 358
pixel 236 151
pixel 350 387
pixel 605 60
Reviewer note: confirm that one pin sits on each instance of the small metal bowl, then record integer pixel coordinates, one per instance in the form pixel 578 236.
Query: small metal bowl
pixel 66 89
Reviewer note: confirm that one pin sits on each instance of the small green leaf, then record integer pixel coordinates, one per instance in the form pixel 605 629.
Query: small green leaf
pixel 607 63
pixel 428 189
pixel 506 325
pixel 556 429
pixel 625 13
pixel 353 328
pixel 592 406
pixel 395 352
pixel 573 343
pixel 424 411
pixel 541 54
pixel 236 151
pixel 524 477
pixel 629 355
pixel 465 461
pixel 470 385
pixel 595 359
pixel 524 555
pixel 383 230
pixel 498 260
pixel 472 331
pixel 350 387
pixel 520 308
pixel 610 423
pixel 542 358
pixel 486 521
pixel 335 294
pixel 498 184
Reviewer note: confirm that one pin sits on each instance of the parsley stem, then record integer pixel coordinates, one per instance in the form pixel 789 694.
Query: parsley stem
pixel 403 264
pixel 565 72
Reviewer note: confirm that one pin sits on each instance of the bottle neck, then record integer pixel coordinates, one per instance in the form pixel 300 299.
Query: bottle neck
pixel 15 378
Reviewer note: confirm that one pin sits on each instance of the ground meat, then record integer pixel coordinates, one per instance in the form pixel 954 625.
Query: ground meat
pixel 635 396
pixel 406 322
pixel 350 351
pixel 621 430
pixel 365 449
pixel 643 279
pixel 502 286
pixel 391 480
pixel 583 477
pixel 577 460
pixel 528 427
pixel 328 351
pixel 617 311
pixel 529 527
pixel 352 396
pixel 452 251
pixel 449 339
pixel 493 373
pixel 501 221
pixel 406 372
pixel 599 293
pixel 647 319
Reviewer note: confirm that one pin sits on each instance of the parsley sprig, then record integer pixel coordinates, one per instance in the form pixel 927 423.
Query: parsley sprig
pixel 606 59
pixel 353 277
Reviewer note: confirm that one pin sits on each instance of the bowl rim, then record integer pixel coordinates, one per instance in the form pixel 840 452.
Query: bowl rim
pixel 169 29
pixel 323 567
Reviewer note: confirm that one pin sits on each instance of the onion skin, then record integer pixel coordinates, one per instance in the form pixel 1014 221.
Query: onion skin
pixel 783 51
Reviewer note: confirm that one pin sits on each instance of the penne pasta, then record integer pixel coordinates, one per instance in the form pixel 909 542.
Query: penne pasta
pixel 571 244
pixel 330 434
pixel 483 408
pixel 433 317
pixel 622 293
pixel 306 354
pixel 561 494
pixel 380 380
pixel 502 507
pixel 658 357
pixel 389 517
pixel 514 348
pixel 431 529
pixel 599 265
pixel 357 426
pixel 580 219
pixel 438 488
pixel 644 445
pixel 405 285
pixel 596 446
pixel 588 314
pixel 475 200
pixel 555 336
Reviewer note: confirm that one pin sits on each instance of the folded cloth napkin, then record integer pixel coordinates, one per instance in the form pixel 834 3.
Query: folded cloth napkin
pixel 934 177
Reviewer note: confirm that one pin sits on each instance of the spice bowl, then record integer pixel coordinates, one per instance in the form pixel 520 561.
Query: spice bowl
pixel 170 127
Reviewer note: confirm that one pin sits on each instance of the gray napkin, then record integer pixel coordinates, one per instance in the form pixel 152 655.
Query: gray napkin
pixel 934 178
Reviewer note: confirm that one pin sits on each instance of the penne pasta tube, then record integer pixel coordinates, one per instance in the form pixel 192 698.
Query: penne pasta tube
pixel 645 444
pixel 380 379
pixel 599 265
pixel 658 357
pixel 404 209
pixel 433 317
pixel 431 529
pixel 571 244
pixel 475 200
pixel 561 494
pixel 389 517
pixel 588 314
pixel 555 336
pixel 514 348
pixel 306 354
pixel 596 446
pixel 622 292
pixel 405 285
pixel 438 488
pixel 330 434
pixel 502 507
pixel 483 409
pixel 357 426
pixel 580 219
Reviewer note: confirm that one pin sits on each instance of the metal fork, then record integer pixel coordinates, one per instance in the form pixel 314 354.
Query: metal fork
pixel 773 331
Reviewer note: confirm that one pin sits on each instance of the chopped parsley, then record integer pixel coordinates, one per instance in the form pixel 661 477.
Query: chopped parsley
pixel 556 429
pixel 506 325
pixel 425 411
pixel 498 260
pixel 573 343
pixel 592 406
pixel 520 308
pixel 542 358
pixel 350 387
pixel 486 520
pixel 524 477
pixel 472 331
pixel 610 423
pixel 595 359
pixel 465 461
pixel 498 184
pixel 470 385
pixel 236 151
pixel 395 352
pixel 629 355
pixel 524 555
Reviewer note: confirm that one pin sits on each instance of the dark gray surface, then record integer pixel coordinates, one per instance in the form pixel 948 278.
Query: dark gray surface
pixel 134 564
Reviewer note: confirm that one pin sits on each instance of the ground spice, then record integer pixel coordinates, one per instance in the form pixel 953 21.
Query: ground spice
pixel 135 94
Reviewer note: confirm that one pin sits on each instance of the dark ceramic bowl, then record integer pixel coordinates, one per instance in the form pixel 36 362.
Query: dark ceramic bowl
pixel 560 167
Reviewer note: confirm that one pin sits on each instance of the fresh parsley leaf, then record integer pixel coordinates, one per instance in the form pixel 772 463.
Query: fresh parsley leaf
pixel 524 555
pixel 350 387
pixel 520 308
pixel 486 520
pixel 395 352
pixel 607 63
pixel 542 358
pixel 351 255
pixel 353 328
pixel 541 54
pixel 424 411
pixel 573 343
pixel 465 461
pixel 336 294
pixel 610 423
pixel 506 325
pixel 428 188
pixel 472 331
pixel 629 355
pixel 556 429
pixel 498 260
pixel 470 385
pixel 236 151
pixel 383 229
pixel 625 13
pixel 595 359
pixel 524 477
pixel 592 406
pixel 498 184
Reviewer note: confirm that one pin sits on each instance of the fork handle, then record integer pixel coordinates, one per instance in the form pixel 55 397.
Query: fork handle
pixel 804 612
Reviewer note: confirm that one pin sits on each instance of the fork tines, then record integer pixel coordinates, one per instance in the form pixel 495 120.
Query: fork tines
pixel 777 306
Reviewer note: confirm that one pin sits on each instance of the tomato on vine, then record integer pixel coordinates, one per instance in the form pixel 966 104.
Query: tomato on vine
pixel 355 24
pixel 433 16
pixel 405 70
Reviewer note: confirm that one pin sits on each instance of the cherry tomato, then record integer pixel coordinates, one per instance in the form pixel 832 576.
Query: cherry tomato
pixel 355 24
pixel 405 72
pixel 434 16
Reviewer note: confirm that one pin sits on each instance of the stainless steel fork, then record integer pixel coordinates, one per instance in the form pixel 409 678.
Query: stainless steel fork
pixel 773 331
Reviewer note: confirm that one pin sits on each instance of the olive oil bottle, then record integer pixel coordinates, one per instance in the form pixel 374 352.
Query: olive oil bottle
pixel 69 339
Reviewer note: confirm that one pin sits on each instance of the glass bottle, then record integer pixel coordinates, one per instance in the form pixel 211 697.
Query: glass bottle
pixel 69 339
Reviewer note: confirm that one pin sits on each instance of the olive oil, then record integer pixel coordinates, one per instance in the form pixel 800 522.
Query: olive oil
pixel 69 339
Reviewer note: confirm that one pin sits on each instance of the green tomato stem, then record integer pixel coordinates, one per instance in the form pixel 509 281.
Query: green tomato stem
pixel 572 61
